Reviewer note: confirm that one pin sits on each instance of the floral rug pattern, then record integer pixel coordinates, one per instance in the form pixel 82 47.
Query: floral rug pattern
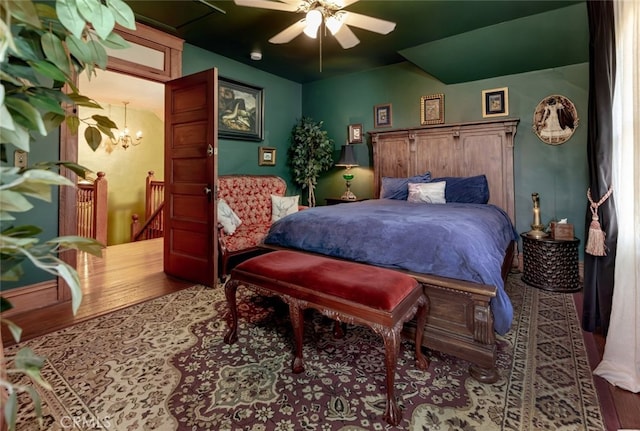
pixel 163 365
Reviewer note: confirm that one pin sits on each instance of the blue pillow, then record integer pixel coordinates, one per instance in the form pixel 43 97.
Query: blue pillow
pixel 470 190
pixel 398 188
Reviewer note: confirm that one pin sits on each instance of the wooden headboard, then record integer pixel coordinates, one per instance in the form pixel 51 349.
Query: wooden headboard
pixel 451 150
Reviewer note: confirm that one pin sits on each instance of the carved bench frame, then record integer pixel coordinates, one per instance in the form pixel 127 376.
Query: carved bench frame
pixel 387 324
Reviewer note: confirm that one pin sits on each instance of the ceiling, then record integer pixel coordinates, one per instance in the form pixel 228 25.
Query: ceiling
pixel 441 37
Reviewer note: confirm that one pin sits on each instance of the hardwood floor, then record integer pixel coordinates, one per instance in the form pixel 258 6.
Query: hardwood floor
pixel 127 274
pixel 132 273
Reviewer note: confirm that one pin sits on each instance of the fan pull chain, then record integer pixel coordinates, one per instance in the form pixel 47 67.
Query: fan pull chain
pixel 321 36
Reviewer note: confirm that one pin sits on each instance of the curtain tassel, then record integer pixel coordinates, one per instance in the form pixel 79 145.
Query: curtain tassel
pixel 596 241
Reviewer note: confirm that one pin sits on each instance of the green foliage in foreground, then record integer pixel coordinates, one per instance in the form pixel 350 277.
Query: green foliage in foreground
pixel 43 47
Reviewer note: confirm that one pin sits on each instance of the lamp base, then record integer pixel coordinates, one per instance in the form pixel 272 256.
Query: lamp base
pixel 348 196
pixel 537 232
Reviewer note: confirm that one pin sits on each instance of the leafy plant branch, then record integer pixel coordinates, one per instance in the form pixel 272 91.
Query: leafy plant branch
pixel 43 47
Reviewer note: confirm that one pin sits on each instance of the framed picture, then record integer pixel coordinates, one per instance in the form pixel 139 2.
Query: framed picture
pixel 355 133
pixel 266 156
pixel 382 115
pixel 555 119
pixel 240 111
pixel 495 102
pixel 432 109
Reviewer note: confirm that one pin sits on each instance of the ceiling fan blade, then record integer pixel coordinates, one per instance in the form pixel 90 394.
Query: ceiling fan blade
pixel 289 33
pixel 368 22
pixel 206 3
pixel 344 3
pixel 266 4
pixel 346 38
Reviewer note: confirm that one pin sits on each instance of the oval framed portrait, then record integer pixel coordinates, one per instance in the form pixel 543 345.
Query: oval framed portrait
pixel 555 119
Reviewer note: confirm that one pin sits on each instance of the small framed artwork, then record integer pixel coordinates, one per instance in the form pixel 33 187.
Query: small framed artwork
pixel 355 133
pixel 266 156
pixel 432 109
pixel 382 115
pixel 240 111
pixel 495 102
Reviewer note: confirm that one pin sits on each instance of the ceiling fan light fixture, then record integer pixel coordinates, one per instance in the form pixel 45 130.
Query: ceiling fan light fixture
pixel 313 21
pixel 314 17
pixel 334 24
pixel 311 31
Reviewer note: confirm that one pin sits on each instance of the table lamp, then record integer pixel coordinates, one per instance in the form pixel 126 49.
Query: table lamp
pixel 348 160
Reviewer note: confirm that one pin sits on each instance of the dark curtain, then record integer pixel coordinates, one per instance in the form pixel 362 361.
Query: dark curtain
pixel 599 270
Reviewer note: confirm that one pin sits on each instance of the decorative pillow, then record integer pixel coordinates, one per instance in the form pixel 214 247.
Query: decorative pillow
pixel 430 193
pixel 227 218
pixel 470 190
pixel 397 188
pixel 283 206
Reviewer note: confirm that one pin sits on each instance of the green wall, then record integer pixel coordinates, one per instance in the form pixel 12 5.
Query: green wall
pixel 557 173
pixel 44 214
pixel 282 108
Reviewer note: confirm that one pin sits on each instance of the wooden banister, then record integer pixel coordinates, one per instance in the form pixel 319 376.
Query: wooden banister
pixel 92 207
pixel 153 226
pixel 154 195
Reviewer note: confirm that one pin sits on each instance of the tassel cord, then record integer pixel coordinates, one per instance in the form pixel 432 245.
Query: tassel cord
pixel 596 240
pixel 594 205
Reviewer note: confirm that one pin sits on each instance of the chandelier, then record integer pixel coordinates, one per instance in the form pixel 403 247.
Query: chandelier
pixel 123 137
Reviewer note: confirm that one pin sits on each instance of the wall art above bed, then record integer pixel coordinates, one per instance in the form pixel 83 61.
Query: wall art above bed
pixel 432 109
pixel 495 102
pixel 382 115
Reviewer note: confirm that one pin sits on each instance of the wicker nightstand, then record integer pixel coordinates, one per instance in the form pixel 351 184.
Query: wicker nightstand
pixel 551 264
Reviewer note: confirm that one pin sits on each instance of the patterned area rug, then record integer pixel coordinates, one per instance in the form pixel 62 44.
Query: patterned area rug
pixel 163 365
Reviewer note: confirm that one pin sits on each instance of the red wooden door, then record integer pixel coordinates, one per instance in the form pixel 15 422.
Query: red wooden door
pixel 191 156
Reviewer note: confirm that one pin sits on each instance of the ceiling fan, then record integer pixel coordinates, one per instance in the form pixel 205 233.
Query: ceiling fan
pixel 331 13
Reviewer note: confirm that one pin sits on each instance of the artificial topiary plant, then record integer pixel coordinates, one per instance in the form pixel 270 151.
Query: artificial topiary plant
pixel 310 154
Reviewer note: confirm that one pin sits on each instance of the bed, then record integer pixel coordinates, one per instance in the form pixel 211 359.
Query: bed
pixel 468 306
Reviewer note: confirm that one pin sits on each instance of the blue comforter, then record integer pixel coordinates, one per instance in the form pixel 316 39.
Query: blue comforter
pixel 461 241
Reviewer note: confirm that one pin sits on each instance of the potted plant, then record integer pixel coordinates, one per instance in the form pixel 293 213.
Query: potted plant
pixel 42 49
pixel 310 154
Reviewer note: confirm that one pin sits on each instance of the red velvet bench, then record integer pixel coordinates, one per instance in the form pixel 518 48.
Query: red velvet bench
pixel 348 292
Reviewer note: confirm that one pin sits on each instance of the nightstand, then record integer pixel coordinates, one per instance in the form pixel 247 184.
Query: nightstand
pixel 551 264
pixel 334 201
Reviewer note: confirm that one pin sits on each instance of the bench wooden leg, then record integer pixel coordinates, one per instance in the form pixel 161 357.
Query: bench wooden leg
pixel 421 319
pixel 230 292
pixel 392 348
pixel 297 321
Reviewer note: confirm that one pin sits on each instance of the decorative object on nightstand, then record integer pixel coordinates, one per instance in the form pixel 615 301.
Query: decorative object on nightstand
pixel 551 264
pixel 537 228
pixel 348 160
pixel 561 230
